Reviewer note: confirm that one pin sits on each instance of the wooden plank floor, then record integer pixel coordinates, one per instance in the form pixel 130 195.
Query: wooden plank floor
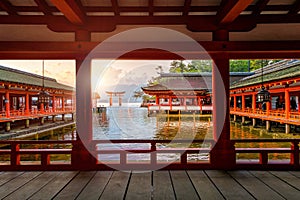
pixel 202 184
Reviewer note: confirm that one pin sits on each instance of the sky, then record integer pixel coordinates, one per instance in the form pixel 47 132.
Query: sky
pixel 107 75
pixel 62 70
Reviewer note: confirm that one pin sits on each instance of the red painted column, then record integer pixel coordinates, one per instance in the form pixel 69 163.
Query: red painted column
pixel 42 108
pixel 7 103
pixel 253 102
pixel 234 102
pixel 83 151
pixel 222 155
pixel 27 111
pixel 63 103
pixel 53 103
pixel 268 108
pixel 243 103
pixel 287 103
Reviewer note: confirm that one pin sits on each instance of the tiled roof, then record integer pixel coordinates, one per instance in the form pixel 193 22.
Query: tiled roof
pixel 21 77
pixel 281 70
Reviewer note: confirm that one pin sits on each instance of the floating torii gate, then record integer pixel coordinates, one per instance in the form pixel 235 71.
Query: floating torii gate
pixel 119 94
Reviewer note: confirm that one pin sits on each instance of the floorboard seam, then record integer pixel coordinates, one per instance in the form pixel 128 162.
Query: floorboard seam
pixel 192 184
pixel 86 184
pixel 284 181
pixel 214 184
pixel 22 185
pixel 127 186
pixel 240 185
pixel 267 185
pixel 66 185
pixel 172 184
pixel 44 185
pixel 12 178
pixel 106 185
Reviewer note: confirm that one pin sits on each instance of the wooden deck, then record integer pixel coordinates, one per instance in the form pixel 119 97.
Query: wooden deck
pixel 208 184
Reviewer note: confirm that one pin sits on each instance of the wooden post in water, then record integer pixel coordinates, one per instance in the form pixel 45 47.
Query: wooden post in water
pixel 7 126
pixel 194 118
pixel 268 125
pixel 42 120
pixel 234 118
pixel 27 123
pixel 243 120
pixel 253 122
pixel 287 128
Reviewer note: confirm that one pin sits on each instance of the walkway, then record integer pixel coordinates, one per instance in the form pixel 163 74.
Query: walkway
pixel 208 184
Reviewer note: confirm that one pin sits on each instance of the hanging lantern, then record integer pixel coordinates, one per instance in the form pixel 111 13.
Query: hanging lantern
pixel 263 95
pixel 43 97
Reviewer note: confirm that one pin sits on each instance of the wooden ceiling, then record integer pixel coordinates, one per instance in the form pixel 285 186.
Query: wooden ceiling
pixel 70 28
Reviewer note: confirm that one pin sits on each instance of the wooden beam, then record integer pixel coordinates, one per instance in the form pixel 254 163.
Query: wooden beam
pixel 6 5
pixel 231 11
pixel 155 8
pixel 259 7
pixel 115 6
pixel 151 9
pixel 43 6
pixel 71 10
pixel 186 9
pixel 72 50
pixel 108 23
pixel 295 8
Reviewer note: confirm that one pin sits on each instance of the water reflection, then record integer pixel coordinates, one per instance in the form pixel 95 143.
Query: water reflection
pixel 133 123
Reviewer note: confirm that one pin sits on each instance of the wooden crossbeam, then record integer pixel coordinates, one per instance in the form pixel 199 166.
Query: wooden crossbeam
pixel 71 50
pixel 71 10
pixel 259 7
pixel 6 5
pixel 295 8
pixel 231 11
pixel 43 6
pixel 115 6
pixel 186 9
pixel 151 7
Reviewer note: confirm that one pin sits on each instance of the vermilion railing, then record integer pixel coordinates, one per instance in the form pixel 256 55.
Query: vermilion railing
pixel 21 113
pixel 278 115
pixel 126 154
pixel 264 151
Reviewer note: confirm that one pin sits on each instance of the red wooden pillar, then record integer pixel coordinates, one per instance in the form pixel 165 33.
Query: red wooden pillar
pixel 53 103
pixel 63 103
pixel 234 102
pixel 253 102
pixel 27 111
pixel 83 156
pixel 222 155
pixel 42 108
pixel 7 103
pixel 268 108
pixel 298 104
pixel 287 103
pixel 243 103
pixel 157 100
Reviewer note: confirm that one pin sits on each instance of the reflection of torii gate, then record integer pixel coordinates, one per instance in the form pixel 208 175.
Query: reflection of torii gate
pixel 111 94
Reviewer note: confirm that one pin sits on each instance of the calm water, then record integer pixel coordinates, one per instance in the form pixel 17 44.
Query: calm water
pixel 133 123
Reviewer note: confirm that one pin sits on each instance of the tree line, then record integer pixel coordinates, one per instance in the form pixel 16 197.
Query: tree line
pixel 179 66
